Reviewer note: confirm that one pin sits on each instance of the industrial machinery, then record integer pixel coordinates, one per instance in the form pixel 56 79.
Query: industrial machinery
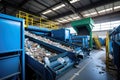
pixel 84 27
pixel 47 61
pixel 38 31
pixel 61 34
pixel 62 44
pixel 83 42
pixel 64 37
pixel 55 65
pixel 12 57
pixel 57 51
pixel 115 40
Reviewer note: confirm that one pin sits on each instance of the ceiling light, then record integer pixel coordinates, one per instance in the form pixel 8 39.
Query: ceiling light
pixel 86 15
pixel 70 19
pixel 102 11
pixel 93 13
pixel 109 9
pixel 116 7
pixel 58 7
pixel 58 20
pixel 62 20
pixel 73 1
pixel 43 16
pixel 76 17
pixel 46 12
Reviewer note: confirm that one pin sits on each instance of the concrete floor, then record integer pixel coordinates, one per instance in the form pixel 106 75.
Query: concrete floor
pixel 92 68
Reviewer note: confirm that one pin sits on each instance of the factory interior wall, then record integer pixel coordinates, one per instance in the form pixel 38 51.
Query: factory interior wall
pixel 107 18
pixel 101 34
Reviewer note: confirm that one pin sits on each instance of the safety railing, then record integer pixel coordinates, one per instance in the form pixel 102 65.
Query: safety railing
pixel 36 20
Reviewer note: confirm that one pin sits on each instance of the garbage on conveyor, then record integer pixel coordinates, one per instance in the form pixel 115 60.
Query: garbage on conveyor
pixel 48 41
pixel 36 51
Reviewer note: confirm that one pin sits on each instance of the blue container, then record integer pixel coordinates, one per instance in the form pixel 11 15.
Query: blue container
pixel 61 34
pixel 9 65
pixel 11 43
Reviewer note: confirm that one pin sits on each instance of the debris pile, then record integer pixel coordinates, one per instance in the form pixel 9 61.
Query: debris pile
pixel 36 51
pixel 49 41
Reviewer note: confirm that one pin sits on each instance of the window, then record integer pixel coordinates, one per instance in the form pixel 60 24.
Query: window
pixel 106 25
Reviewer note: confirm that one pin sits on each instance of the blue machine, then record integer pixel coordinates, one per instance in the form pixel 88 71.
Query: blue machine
pixel 12 58
pixel 81 41
pixel 55 69
pixel 65 39
pixel 64 35
pixel 61 34
pixel 115 39
pixel 38 31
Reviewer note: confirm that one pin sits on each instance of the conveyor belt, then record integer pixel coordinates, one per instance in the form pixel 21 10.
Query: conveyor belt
pixel 49 41
pixel 59 44
pixel 56 64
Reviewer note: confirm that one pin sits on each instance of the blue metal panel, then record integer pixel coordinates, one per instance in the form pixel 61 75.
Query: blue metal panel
pixel 10 36
pixel 82 40
pixel 115 39
pixel 61 34
pixel 50 72
pixel 36 66
pixel 9 65
pixel 12 41
pixel 116 54
pixel 37 29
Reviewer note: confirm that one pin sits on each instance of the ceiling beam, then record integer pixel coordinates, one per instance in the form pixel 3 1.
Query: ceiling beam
pixel 16 7
pixel 71 7
pixel 23 3
pixel 84 8
pixel 44 6
pixel 104 18
pixel 20 5
pixel 1 8
pixel 39 12
pixel 5 9
pixel 94 8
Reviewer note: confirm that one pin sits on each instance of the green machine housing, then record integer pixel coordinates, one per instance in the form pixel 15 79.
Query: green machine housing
pixel 84 27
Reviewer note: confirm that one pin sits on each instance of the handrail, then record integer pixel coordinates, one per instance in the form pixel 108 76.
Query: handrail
pixel 36 20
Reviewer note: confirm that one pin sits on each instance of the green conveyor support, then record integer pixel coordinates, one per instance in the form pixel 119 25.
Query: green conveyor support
pixel 84 27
